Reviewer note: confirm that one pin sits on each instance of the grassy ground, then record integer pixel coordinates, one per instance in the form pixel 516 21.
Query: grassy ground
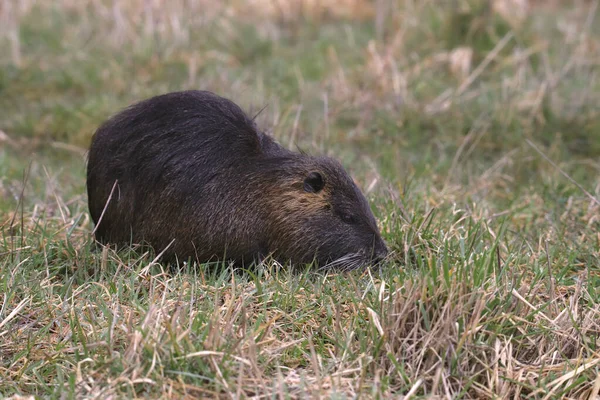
pixel 475 133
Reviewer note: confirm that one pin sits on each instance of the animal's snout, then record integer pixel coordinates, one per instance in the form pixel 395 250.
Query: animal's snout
pixel 380 251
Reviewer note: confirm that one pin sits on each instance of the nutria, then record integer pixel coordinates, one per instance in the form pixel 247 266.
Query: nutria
pixel 190 174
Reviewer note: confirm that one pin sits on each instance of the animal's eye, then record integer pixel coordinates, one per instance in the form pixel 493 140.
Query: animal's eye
pixel 314 182
pixel 348 218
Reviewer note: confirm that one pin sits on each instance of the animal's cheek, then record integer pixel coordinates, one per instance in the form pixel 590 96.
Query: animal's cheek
pixel 359 237
pixel 322 227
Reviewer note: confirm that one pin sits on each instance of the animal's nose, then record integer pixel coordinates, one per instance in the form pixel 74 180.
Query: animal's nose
pixel 380 251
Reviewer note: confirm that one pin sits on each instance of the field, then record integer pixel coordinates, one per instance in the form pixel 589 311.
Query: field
pixel 472 126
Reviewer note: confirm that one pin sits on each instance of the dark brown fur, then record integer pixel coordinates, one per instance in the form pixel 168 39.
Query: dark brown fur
pixel 193 168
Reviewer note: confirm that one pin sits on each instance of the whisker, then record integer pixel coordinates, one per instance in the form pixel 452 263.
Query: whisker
pixel 347 262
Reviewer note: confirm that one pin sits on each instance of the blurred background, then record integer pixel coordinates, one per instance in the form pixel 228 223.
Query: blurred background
pixel 440 95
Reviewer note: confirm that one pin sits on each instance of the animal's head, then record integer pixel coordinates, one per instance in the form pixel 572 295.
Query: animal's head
pixel 322 215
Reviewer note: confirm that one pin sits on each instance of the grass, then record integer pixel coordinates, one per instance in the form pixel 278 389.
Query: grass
pixel 475 135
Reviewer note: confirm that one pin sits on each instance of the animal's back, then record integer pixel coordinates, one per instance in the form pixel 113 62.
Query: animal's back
pixel 162 128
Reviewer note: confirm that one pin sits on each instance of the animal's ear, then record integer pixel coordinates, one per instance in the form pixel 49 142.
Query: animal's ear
pixel 314 182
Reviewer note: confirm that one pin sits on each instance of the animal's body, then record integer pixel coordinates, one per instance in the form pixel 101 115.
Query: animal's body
pixel 191 175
